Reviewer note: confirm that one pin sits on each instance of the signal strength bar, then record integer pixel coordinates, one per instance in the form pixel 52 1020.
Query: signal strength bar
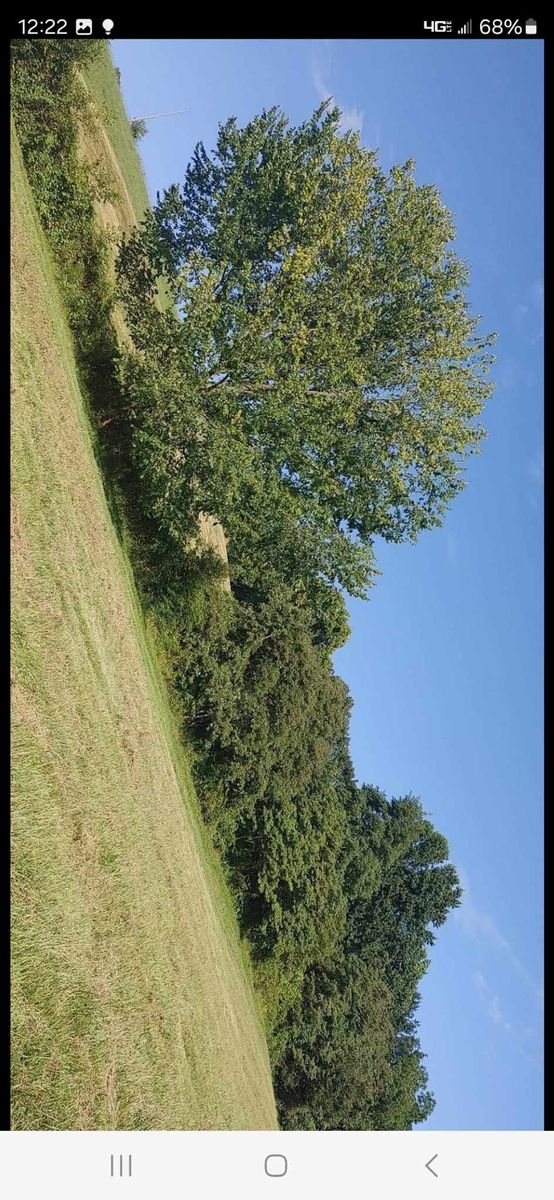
pixel 463 32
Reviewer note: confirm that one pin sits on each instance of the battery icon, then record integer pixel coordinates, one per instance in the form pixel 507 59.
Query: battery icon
pixel 530 25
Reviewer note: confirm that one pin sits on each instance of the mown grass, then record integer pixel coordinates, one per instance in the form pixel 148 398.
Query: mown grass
pixel 101 78
pixel 131 998
pixel 113 146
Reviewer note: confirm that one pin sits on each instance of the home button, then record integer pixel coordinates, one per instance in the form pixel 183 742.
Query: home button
pixel 275 1165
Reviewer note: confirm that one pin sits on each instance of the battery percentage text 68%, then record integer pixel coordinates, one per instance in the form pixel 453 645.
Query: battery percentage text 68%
pixel 497 27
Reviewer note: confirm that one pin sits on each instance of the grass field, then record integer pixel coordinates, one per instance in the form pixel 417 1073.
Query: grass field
pixel 101 78
pixel 132 1000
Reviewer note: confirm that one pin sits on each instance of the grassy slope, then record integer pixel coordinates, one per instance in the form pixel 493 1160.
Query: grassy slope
pixel 110 142
pixel 132 1003
pixel 102 80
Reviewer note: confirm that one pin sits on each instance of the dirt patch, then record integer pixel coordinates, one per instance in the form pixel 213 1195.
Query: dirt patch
pixel 211 532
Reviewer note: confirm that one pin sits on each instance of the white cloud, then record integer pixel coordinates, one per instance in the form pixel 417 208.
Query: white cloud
pixel 321 68
pixel 522 1038
pixel 351 120
pixel 492 1003
pixel 481 927
pixel 495 1012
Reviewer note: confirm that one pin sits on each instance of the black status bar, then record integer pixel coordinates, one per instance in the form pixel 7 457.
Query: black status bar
pixel 435 27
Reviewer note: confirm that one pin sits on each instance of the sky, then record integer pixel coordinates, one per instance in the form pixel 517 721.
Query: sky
pixel 445 659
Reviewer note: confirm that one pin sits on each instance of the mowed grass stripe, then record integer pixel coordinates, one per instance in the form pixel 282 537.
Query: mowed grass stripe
pixel 107 139
pixel 101 78
pixel 131 1002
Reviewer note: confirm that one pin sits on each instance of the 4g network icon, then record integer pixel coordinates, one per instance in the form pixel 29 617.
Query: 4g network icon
pixel 437 26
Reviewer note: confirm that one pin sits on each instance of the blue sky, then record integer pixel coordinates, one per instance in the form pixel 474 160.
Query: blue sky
pixel 445 660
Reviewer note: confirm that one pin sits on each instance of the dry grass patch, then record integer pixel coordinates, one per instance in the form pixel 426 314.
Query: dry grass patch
pixel 132 1006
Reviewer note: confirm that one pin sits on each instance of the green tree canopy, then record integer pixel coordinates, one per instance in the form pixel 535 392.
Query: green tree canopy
pixel 320 323
pixel 401 888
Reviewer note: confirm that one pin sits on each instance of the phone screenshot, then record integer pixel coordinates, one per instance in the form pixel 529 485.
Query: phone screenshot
pixel 277 889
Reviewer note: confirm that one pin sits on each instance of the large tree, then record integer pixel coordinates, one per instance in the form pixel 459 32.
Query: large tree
pixel 401 887
pixel 320 332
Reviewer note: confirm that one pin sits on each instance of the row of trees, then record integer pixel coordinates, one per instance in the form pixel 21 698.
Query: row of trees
pixel 314 383
pixel 338 889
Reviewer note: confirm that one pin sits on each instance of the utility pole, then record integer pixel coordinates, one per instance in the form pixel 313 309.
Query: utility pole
pixel 152 116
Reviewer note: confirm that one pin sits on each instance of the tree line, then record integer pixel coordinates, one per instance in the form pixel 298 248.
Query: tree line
pixel 314 383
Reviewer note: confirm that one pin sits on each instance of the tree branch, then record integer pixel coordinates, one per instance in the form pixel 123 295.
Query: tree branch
pixel 267 387
pixel 218 383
